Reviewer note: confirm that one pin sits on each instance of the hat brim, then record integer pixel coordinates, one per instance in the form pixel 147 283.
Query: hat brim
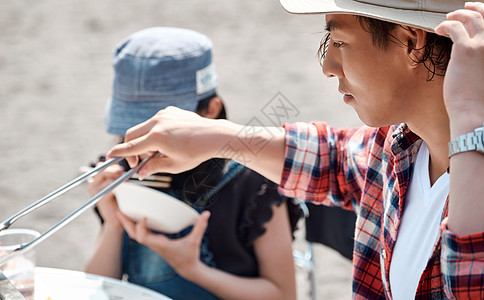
pixel 120 115
pixel 425 20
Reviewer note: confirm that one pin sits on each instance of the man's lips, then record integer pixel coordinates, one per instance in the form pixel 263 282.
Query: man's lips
pixel 346 96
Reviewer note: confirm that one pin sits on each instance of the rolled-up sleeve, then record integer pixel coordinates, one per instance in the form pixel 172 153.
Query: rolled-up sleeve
pixel 462 264
pixel 324 164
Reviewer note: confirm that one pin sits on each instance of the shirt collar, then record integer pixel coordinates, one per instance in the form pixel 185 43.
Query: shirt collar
pixel 403 138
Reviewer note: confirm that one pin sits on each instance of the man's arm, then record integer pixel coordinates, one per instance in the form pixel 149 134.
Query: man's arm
pixel 464 99
pixel 463 235
pixel 185 140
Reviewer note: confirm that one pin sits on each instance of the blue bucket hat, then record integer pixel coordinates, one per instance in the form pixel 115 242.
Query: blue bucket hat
pixel 155 68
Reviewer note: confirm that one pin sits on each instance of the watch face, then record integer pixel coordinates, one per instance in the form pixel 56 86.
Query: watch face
pixel 479 132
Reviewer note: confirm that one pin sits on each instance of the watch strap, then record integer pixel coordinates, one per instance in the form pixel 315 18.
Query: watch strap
pixel 473 141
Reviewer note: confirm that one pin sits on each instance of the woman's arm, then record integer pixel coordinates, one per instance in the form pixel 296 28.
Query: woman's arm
pixel 276 266
pixel 273 250
pixel 106 259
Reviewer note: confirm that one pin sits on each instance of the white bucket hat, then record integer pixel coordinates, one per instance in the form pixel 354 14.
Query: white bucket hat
pixel 424 14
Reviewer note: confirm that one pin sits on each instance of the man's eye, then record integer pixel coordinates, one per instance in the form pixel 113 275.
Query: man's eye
pixel 337 44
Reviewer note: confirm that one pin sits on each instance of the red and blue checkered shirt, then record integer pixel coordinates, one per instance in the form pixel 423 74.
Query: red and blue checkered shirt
pixel 368 170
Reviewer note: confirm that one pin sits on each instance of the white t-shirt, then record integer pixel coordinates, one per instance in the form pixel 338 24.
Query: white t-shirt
pixel 419 228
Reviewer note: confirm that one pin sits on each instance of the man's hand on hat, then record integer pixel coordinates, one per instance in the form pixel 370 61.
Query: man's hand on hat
pixel 463 87
pixel 182 138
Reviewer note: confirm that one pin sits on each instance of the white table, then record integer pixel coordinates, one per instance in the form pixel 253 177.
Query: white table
pixel 60 284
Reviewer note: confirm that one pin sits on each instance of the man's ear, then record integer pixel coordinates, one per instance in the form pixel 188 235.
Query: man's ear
pixel 214 108
pixel 416 40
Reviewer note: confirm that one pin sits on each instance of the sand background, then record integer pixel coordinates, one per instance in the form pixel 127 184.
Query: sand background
pixel 55 78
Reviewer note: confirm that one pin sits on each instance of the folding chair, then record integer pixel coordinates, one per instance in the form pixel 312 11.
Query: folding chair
pixel 330 226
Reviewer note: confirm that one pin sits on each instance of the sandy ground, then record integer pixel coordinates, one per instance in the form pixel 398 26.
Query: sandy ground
pixel 55 77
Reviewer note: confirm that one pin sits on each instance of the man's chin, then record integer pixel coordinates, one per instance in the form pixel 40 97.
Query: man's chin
pixel 372 121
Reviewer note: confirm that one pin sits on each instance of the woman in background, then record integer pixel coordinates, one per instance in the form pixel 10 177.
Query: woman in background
pixel 229 253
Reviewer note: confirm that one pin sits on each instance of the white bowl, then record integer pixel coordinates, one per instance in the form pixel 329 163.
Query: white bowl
pixel 163 212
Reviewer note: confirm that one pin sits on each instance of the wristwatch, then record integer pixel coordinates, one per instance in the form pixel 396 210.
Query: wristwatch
pixel 473 141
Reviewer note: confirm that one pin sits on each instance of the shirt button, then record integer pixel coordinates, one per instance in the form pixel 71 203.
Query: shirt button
pixel 384 254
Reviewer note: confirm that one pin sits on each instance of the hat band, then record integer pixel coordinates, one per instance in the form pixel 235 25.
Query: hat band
pixel 436 6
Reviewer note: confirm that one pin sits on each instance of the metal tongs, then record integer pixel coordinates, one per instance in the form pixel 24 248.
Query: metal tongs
pixel 63 189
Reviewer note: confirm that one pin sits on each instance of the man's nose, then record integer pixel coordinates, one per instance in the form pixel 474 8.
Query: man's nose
pixel 332 64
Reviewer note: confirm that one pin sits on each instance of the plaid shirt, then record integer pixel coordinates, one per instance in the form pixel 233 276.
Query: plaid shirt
pixel 368 170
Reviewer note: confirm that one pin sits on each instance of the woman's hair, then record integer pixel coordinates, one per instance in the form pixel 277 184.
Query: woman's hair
pixel 203 105
pixel 436 52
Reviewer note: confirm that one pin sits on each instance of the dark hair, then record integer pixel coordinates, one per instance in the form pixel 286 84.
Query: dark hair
pixel 436 53
pixel 203 105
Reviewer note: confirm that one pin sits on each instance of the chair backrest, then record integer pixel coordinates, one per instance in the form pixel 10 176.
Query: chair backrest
pixel 331 226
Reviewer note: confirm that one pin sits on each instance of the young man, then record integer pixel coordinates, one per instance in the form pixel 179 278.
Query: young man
pixel 417 187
